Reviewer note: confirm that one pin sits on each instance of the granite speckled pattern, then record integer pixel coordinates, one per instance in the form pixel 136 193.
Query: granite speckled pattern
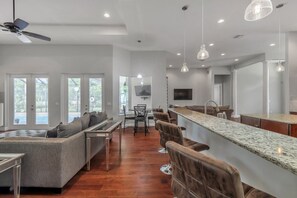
pixel 285 118
pixel 276 148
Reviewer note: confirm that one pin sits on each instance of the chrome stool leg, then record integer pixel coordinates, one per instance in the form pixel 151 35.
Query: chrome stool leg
pixel 162 150
pixel 166 169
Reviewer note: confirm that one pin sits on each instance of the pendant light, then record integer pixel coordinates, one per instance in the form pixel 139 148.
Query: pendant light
pixel 184 68
pixel 203 53
pixel 279 67
pixel 258 9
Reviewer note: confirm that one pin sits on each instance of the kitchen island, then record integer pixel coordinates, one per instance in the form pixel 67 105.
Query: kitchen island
pixel 265 160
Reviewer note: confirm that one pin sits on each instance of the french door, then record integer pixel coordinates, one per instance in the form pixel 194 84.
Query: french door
pixel 28 101
pixel 81 93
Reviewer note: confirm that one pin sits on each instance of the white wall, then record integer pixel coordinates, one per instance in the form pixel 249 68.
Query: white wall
pixel 147 100
pixel 121 67
pixel 152 63
pixel 276 95
pixel 250 89
pixel 55 60
pixel 291 69
pixel 196 79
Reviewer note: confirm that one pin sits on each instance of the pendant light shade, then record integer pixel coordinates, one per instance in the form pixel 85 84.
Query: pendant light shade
pixel 184 68
pixel 258 9
pixel 203 53
pixel 280 67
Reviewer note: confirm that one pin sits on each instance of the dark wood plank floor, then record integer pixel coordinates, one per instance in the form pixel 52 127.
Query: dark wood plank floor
pixel 137 174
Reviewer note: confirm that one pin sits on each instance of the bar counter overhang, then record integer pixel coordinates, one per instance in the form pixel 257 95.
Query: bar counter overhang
pixel 265 160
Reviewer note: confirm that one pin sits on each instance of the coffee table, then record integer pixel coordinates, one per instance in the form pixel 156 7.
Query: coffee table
pixel 104 130
pixel 12 160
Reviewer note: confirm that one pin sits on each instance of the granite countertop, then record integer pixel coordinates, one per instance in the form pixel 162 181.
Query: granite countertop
pixel 276 148
pixel 285 118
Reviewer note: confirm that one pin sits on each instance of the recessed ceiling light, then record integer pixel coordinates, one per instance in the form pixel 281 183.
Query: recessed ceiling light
pixel 178 54
pixel 170 65
pixel 236 59
pixel 202 65
pixel 106 15
pixel 211 44
pixel 221 21
pixel 272 45
pixel 223 54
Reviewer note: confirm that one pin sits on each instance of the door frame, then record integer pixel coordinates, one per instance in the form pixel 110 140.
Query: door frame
pixel 30 100
pixel 84 92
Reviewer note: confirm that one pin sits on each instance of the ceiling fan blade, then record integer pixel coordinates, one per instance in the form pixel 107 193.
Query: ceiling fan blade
pixel 23 38
pixel 21 24
pixel 38 36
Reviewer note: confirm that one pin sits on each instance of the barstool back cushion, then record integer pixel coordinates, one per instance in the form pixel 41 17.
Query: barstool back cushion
pixel 197 175
pixel 169 132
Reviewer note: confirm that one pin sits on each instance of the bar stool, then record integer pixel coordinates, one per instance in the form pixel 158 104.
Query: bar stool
pixel 196 175
pixel 172 132
pixel 163 117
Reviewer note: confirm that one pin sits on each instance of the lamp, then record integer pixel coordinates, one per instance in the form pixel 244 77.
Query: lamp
pixel 184 68
pixel 258 9
pixel 279 67
pixel 203 53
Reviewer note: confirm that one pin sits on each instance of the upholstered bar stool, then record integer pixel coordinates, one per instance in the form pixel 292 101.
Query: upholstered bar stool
pixel 196 175
pixel 164 117
pixel 172 132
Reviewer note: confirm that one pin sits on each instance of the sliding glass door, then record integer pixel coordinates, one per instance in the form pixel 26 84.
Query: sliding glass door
pixel 82 93
pixel 28 101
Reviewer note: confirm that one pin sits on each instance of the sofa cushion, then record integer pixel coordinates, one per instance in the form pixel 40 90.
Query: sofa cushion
pixel 67 130
pixel 96 118
pixel 85 120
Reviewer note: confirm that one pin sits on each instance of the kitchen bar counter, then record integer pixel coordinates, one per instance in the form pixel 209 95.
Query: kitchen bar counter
pixel 264 147
pixel 285 124
pixel 285 118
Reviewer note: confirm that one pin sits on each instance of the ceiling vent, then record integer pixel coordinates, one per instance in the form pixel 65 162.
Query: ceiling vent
pixel 238 36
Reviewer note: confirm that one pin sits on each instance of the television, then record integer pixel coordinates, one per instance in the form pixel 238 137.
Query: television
pixel 143 90
pixel 182 94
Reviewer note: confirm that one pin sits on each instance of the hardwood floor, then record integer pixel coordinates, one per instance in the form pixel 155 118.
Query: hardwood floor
pixel 137 174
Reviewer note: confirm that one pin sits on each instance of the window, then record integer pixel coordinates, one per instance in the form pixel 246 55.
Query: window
pixel 124 93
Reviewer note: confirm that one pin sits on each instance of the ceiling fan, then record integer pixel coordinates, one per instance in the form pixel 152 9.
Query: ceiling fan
pixel 17 26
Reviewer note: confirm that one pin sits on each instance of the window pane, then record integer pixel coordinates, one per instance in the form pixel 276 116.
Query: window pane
pixel 124 92
pixel 20 101
pixel 41 100
pixel 95 94
pixel 74 94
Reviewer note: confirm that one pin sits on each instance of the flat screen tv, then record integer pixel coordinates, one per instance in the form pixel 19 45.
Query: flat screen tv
pixel 182 94
pixel 143 90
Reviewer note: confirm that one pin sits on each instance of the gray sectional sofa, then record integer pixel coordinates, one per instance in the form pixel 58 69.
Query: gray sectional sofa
pixel 50 162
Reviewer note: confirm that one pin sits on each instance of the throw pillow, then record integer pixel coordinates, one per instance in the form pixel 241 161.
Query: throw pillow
pixel 53 133
pixel 102 116
pixel 67 130
pixel 97 118
pixel 85 120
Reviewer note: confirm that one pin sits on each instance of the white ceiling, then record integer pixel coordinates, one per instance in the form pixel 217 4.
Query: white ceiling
pixel 157 23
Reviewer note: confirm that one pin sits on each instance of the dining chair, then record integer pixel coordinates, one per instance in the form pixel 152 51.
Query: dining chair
pixel 127 117
pixel 140 116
